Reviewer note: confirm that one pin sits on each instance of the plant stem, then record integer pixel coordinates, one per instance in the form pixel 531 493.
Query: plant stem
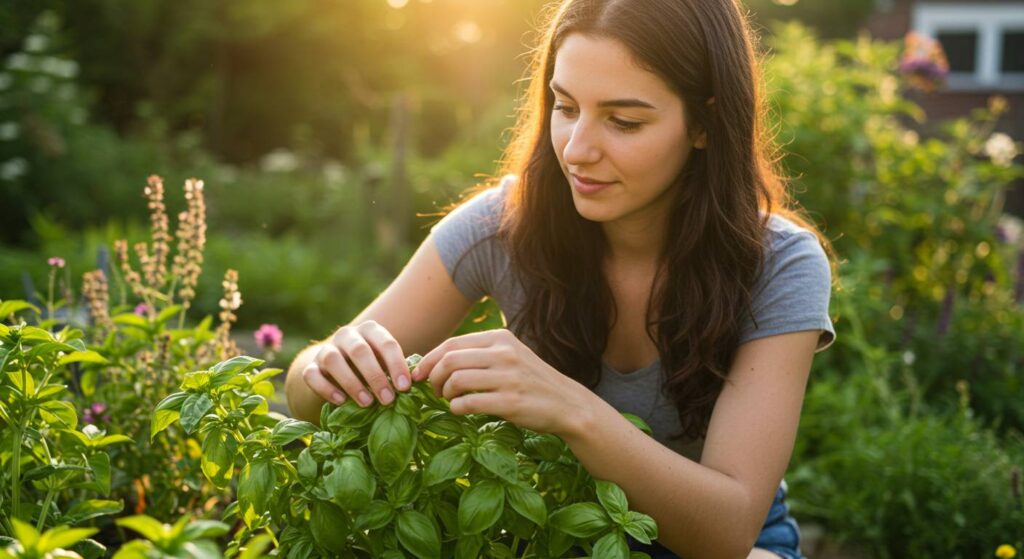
pixel 50 493
pixel 16 472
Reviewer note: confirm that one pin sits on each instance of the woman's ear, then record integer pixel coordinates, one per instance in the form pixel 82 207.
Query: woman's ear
pixel 702 140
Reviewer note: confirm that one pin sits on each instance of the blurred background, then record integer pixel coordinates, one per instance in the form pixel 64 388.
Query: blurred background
pixel 330 134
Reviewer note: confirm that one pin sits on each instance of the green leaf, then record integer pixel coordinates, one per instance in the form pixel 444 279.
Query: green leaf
pixel 641 527
pixel 254 403
pixel 391 444
pixel 90 549
pixel 255 487
pixel 162 419
pixel 306 466
pixel 444 424
pixel 377 515
pixel 225 370
pixel 499 460
pixel 99 464
pixel 611 546
pixel 527 502
pixel 583 520
pixel 543 446
pixel 81 357
pixel 350 415
pixel 612 497
pixel 406 488
pixel 468 547
pixel 59 413
pixel 504 432
pixel 92 508
pixel 407 405
pixel 193 410
pixel 349 482
pixel 255 547
pixel 29 386
pixel 204 529
pixel 287 430
pixel 34 334
pixel 147 527
pixel 418 534
pixel 265 374
pixel 136 549
pixel 329 525
pixel 25 533
pixel 219 452
pixel 9 307
pixel 133 320
pixel 167 313
pixel 111 439
pixel 196 381
pixel 450 463
pixel 62 536
pixel 480 507
pixel 172 402
pixel 50 390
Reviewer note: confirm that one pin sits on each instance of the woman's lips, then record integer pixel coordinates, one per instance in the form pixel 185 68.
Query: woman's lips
pixel 585 185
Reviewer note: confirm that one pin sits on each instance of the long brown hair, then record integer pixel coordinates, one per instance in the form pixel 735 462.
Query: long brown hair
pixel 715 242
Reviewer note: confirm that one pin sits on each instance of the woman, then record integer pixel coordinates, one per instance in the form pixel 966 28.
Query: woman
pixel 645 257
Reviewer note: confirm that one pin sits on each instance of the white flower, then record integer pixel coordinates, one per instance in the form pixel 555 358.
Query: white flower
pixel 279 161
pixel 36 43
pixel 1001 149
pixel 334 172
pixel 909 357
pixel 8 131
pixel 13 168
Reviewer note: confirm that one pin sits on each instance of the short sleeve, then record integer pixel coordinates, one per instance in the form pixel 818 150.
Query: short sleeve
pixel 794 289
pixel 467 241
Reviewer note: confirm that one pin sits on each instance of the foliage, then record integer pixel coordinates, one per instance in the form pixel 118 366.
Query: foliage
pixel 373 481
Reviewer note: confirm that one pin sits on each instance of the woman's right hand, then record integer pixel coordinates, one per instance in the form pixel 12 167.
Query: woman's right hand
pixel 349 365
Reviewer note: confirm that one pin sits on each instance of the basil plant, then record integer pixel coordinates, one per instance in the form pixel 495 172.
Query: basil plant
pixel 406 480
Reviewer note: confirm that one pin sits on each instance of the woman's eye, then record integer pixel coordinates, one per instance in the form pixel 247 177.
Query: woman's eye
pixel 564 109
pixel 625 125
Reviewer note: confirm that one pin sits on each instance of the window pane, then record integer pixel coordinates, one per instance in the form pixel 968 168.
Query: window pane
pixel 961 48
pixel 1013 51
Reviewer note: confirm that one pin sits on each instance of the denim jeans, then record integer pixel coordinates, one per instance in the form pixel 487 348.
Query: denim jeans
pixel 780 533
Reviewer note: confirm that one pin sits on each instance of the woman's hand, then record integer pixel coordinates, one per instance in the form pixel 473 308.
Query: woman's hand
pixel 494 373
pixel 352 360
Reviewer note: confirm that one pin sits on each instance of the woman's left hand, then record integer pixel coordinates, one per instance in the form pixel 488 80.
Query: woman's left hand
pixel 494 373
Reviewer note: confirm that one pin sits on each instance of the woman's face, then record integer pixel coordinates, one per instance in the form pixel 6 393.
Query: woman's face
pixel 617 123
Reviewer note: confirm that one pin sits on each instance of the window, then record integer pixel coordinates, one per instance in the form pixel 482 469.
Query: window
pixel 983 41
pixel 1013 51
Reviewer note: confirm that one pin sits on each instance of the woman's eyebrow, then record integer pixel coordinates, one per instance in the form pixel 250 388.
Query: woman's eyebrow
pixel 608 103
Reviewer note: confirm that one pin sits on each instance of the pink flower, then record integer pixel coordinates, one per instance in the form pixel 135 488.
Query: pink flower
pixel 142 309
pixel 269 336
pixel 56 262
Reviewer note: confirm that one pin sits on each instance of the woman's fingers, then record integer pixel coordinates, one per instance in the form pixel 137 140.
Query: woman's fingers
pixel 455 360
pixel 321 384
pixel 388 352
pixel 333 365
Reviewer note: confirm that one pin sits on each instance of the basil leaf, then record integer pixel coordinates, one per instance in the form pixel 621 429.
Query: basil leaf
pixel 391 444
pixel 418 534
pixel 583 520
pixel 193 410
pixel 377 515
pixel 612 497
pixel 329 525
pixel 527 502
pixel 255 487
pixel 219 452
pixel 450 463
pixel 480 507
pixel 641 526
pixel 349 482
pixel 288 429
pixel 498 459
pixel 406 488
pixel 611 546
pixel 468 547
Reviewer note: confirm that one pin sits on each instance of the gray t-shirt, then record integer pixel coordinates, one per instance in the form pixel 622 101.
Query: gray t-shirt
pixel 792 295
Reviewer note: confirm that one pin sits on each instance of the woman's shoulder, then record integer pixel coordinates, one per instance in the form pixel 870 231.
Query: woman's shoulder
pixel 481 211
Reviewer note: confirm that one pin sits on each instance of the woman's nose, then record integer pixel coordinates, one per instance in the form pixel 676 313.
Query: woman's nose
pixel 581 147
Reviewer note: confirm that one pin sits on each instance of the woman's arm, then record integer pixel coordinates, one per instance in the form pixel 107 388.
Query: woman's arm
pixel 715 508
pixel 420 308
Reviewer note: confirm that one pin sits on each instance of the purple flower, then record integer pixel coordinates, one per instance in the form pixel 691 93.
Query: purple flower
pixel 142 309
pixel 98 408
pixel 269 336
pixel 56 262
pixel 1001 235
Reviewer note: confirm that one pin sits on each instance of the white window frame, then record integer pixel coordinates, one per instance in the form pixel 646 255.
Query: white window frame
pixel 989 20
